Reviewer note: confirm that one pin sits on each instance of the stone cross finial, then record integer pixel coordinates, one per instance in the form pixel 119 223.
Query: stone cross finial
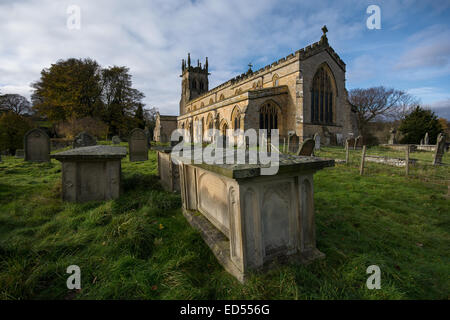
pixel 324 30
pixel 250 66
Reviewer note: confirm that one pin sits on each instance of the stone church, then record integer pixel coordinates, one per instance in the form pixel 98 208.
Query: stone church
pixel 301 95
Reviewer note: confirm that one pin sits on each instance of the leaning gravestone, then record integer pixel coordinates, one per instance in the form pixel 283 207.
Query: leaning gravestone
pixel 316 141
pixel 36 146
pixel 138 145
pixel 84 139
pixel 426 139
pixel 440 149
pixel 116 140
pixel 306 148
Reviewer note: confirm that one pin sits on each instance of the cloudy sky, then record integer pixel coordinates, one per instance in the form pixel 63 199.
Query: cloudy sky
pixel 411 51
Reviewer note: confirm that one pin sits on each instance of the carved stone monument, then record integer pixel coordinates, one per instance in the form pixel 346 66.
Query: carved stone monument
pixel 138 145
pixel 91 173
pixel 249 219
pixel 84 139
pixel 37 146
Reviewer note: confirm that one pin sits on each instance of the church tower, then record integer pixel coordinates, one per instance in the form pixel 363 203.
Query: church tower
pixel 194 81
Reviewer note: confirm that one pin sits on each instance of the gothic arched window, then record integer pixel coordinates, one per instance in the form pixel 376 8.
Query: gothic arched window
pixel 236 119
pixel 268 117
pixel 275 80
pixel 322 97
pixel 194 84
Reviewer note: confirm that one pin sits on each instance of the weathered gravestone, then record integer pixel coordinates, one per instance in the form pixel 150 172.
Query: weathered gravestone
pixel 138 145
pixel 37 146
pixel 316 141
pixel 339 140
pixel 294 141
pixel 84 139
pixel 91 173
pixel 426 139
pixel 358 142
pixel 440 149
pixel 20 153
pixel 116 140
pixel 392 133
pixel 248 218
pixel 351 142
pixel 306 148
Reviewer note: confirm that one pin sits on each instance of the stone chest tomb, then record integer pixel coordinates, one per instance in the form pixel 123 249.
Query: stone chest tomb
pixel 37 146
pixel 138 145
pixel 91 173
pixel 249 219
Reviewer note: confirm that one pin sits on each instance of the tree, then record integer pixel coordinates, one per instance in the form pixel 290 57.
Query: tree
pixel 15 103
pixel 79 88
pixel 379 103
pixel 150 119
pixel 417 124
pixel 12 130
pixel 139 116
pixel 120 99
pixel 69 88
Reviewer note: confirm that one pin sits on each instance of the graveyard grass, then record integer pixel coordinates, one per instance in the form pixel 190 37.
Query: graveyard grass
pixel 141 247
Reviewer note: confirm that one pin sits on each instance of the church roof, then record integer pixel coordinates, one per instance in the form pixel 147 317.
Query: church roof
pixel 302 54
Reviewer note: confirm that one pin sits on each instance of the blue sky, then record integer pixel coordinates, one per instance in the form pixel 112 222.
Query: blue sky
pixel 411 51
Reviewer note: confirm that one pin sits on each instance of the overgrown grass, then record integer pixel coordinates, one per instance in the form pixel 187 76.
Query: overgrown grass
pixel 141 247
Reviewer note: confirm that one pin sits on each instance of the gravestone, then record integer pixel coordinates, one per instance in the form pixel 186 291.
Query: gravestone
pixel 358 142
pixel 426 139
pixel 306 148
pixel 116 140
pixel 392 136
pixel 20 153
pixel 36 146
pixel 339 139
pixel 91 173
pixel 316 141
pixel 294 141
pixel 421 142
pixel 351 142
pixel 440 149
pixel 138 145
pixel 84 139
